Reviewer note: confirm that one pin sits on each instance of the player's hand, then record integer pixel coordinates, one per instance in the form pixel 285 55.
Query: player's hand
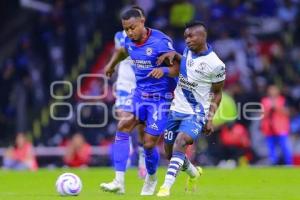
pixel 208 128
pixel 109 71
pixel 156 73
pixel 168 58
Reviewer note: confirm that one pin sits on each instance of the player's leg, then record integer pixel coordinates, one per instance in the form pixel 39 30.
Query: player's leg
pixel 271 144
pixel 121 152
pixel 286 149
pixel 168 148
pixel 192 171
pixel 151 162
pixel 169 139
pixel 126 110
pixel 141 154
pixel 187 166
pixel 157 114
pixel 188 132
pixel 193 174
pixel 170 134
pixel 178 157
pixel 122 144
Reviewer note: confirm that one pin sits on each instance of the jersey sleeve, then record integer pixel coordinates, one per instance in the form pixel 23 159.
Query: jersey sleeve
pixel 126 44
pixel 165 45
pixel 219 74
pixel 119 40
pixel 185 52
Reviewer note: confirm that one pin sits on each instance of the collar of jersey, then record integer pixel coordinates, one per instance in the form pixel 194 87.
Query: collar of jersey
pixel 203 53
pixel 149 30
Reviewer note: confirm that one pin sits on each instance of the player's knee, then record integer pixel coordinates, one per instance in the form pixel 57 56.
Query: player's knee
pixel 124 126
pixel 182 141
pixel 180 144
pixel 149 144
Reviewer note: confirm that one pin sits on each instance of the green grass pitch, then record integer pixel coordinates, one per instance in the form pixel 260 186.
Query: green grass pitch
pixel 242 183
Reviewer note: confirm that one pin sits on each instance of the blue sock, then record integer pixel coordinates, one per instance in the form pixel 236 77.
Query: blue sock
pixel 121 151
pixel 151 158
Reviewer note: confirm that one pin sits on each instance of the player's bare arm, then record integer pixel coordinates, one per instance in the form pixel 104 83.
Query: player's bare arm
pixel 118 55
pixel 216 90
pixel 169 57
pixel 171 71
pixel 174 69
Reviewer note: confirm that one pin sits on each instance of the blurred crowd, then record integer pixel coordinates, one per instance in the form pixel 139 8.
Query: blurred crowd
pixel 257 40
pixel 45 52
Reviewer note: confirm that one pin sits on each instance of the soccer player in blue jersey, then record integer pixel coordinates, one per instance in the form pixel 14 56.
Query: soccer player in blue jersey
pixel 151 98
pixel 197 96
pixel 125 84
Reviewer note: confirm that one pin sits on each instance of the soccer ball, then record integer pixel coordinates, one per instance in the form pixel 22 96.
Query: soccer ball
pixel 68 184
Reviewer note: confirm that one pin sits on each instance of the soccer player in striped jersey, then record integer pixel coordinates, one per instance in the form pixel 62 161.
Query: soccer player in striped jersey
pixel 197 96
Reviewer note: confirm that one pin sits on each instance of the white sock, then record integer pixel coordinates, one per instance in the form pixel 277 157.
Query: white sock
pixel 120 176
pixel 141 157
pixel 191 170
pixel 173 169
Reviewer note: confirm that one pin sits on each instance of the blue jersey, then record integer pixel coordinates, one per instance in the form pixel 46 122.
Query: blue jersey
pixel 144 57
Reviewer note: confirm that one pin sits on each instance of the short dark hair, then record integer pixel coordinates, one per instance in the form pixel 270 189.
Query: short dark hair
pixel 139 9
pixel 196 23
pixel 132 12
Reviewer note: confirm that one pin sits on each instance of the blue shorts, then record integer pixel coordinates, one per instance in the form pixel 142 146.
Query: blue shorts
pixel 154 112
pixel 123 99
pixel 190 124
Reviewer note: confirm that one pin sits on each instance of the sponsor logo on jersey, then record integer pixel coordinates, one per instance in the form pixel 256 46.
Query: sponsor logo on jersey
pixel 222 72
pixel 143 64
pixel 154 127
pixel 203 65
pixel 128 102
pixel 195 131
pixel 220 75
pixel 190 63
pixel 184 81
pixel 155 116
pixel 201 68
pixel 149 51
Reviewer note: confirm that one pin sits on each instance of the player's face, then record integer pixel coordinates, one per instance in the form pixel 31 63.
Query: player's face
pixel 134 27
pixel 195 38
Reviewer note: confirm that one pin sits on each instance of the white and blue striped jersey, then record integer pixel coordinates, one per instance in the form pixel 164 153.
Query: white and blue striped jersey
pixel 197 73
